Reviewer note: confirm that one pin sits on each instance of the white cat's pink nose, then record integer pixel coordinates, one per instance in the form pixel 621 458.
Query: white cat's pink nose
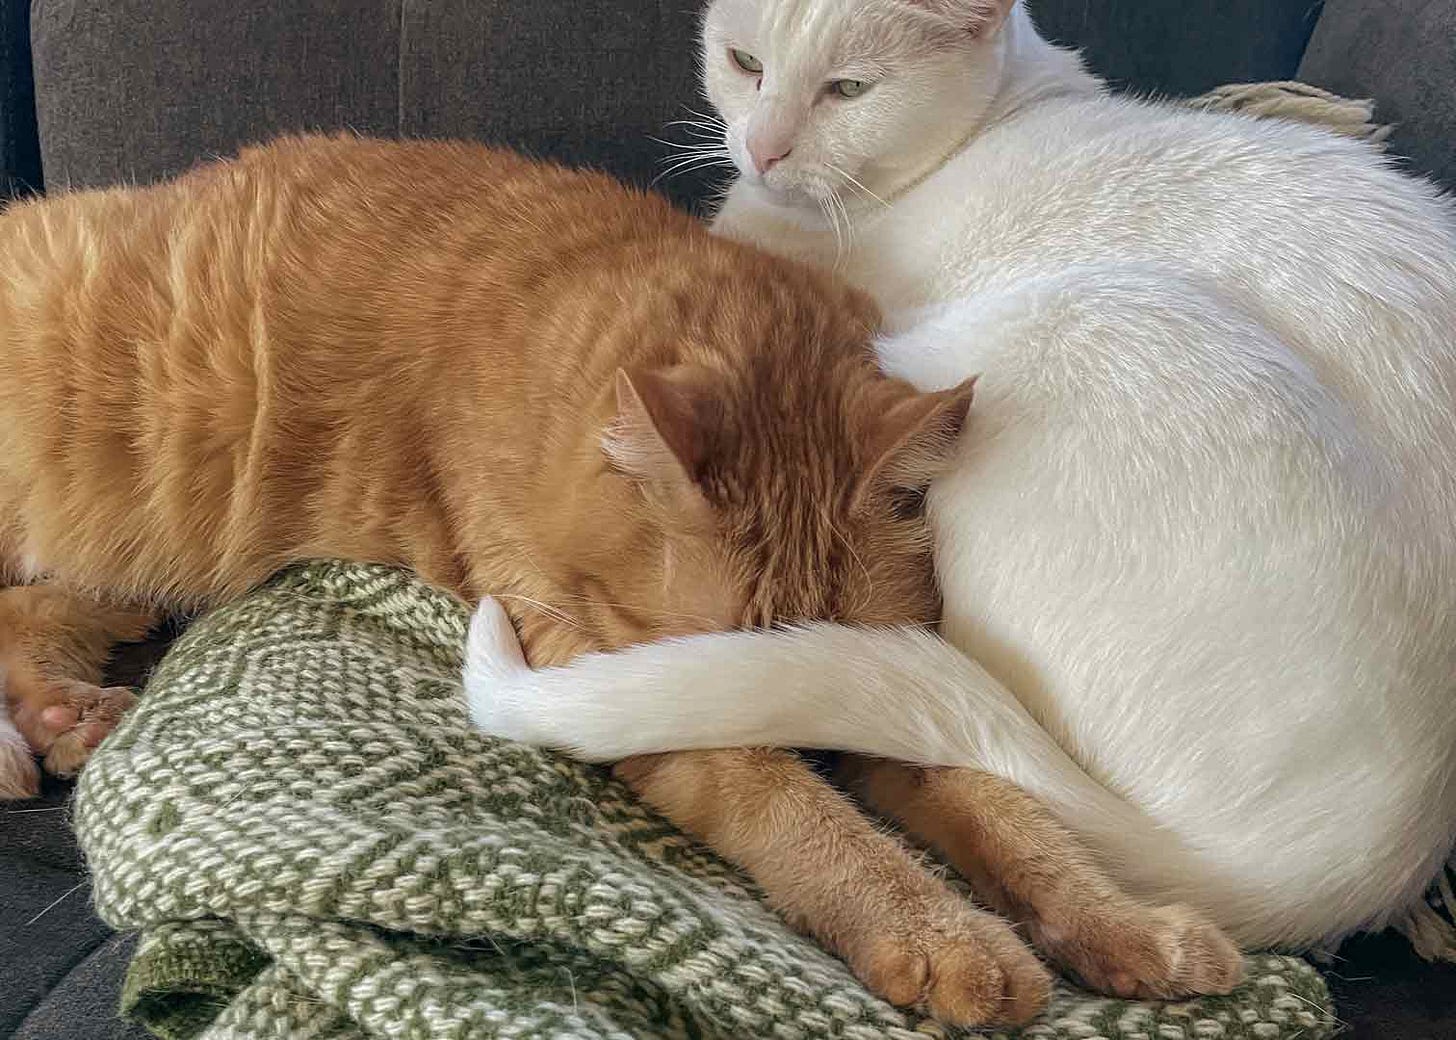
pixel 766 152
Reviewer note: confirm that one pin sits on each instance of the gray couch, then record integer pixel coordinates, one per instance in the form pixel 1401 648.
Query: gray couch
pixel 98 91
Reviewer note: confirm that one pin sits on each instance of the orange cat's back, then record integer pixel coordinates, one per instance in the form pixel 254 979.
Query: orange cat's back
pixel 407 353
pixel 242 361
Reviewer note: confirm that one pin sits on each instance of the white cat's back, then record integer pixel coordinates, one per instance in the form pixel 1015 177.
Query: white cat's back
pixel 1198 550
pixel 1313 232
pixel 1224 475
pixel 1202 525
pixel 1095 178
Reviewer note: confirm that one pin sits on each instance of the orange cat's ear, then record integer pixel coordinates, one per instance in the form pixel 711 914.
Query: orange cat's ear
pixel 911 442
pixel 663 424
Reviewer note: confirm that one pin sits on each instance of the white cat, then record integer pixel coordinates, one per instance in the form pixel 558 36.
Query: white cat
pixel 1199 550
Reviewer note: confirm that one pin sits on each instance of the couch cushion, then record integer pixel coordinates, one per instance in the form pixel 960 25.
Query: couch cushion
pixel 19 150
pixel 136 89
pixel 1182 47
pixel 1402 53
pixel 60 967
pixel 46 923
pixel 586 83
pixel 82 1006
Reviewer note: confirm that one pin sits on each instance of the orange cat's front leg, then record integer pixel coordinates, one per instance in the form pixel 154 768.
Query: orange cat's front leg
pixel 827 869
pixel 1022 861
pixel 53 647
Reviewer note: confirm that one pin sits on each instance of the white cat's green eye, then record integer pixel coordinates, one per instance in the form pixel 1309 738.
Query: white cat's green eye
pixel 849 88
pixel 745 61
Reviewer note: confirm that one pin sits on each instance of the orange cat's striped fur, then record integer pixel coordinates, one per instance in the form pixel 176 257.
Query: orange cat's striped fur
pixel 517 380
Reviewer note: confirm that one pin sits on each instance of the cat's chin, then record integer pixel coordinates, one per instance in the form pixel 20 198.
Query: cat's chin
pixel 789 196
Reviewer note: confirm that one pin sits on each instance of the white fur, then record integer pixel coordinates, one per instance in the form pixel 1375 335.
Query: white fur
pixel 19 775
pixel 1203 528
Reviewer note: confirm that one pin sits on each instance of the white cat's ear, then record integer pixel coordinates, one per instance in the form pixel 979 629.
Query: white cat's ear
pixel 977 17
pixel 912 442
pixel 664 423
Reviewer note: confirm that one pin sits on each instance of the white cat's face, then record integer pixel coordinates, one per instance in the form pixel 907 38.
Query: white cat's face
pixel 854 97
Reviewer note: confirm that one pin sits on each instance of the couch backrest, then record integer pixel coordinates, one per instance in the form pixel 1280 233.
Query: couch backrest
pixel 19 146
pixel 136 89
pixel 1402 53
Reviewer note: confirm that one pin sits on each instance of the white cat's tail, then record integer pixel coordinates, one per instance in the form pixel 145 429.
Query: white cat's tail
pixel 900 694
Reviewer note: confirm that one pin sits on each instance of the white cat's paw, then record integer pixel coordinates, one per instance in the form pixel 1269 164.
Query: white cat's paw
pixel 495 672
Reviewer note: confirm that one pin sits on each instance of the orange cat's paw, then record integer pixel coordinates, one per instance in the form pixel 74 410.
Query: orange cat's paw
pixel 19 776
pixel 1150 953
pixel 967 968
pixel 84 718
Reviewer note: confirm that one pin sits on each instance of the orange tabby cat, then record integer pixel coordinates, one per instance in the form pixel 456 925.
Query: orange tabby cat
pixel 513 379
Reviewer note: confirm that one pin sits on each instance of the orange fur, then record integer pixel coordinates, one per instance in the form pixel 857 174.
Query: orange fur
pixel 514 379
pixel 524 381
pixel 408 353
pixel 1026 865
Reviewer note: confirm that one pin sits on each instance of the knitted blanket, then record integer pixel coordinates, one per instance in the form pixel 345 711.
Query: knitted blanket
pixel 314 844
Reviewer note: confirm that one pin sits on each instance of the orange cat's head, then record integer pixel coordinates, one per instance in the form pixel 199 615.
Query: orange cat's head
pixel 776 487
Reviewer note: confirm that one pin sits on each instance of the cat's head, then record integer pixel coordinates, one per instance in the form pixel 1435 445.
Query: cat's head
pixel 855 97
pixel 761 487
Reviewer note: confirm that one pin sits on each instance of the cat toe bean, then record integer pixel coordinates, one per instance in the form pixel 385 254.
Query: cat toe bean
pixel 967 969
pixel 97 710
pixel 1152 953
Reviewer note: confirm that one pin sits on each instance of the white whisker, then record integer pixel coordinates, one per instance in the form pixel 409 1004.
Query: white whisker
pixel 703 130
pixel 696 162
pixel 868 595
pixel 695 157
pixel 707 117
pixel 838 214
pixel 693 153
pixel 830 217
pixel 705 148
pixel 697 146
pixel 855 183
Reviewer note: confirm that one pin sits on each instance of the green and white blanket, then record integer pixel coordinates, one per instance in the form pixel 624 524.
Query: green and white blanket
pixel 313 843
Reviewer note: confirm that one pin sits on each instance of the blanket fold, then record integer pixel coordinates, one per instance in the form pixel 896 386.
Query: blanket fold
pixel 312 842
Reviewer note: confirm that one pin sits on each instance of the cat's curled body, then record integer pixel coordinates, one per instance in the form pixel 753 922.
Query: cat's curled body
pixel 518 379
pixel 1200 547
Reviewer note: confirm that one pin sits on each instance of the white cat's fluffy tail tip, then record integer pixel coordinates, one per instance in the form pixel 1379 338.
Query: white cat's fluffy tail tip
pixel 492 650
pixel 494 670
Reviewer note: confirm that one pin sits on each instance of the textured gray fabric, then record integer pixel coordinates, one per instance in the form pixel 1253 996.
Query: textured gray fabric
pixel 586 83
pixel 1402 53
pixel 1182 47
pixel 137 89
pixel 48 933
